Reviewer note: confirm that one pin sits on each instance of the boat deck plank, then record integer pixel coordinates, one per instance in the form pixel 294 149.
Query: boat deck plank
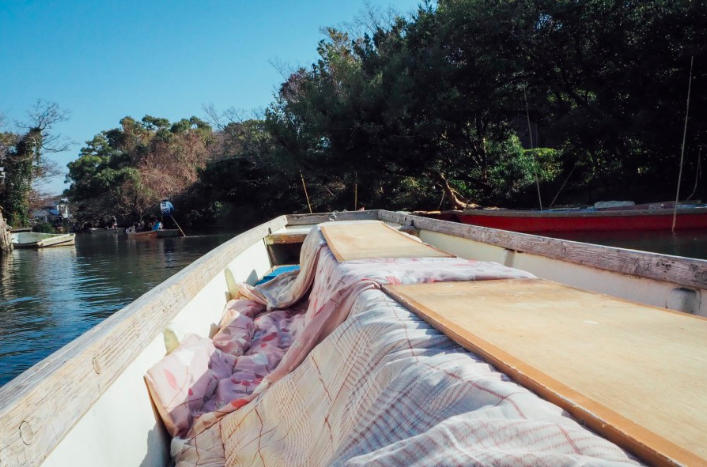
pixel 633 373
pixel 371 240
pixel 285 238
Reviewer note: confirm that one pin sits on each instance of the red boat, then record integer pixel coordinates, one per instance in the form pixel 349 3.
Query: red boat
pixel 641 217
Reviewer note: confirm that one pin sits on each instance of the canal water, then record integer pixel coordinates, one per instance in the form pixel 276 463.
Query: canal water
pixel 51 296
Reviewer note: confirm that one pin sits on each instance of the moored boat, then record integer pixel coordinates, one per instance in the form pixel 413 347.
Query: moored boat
pixel 617 219
pixel 164 233
pixel 143 234
pixel 87 404
pixel 41 240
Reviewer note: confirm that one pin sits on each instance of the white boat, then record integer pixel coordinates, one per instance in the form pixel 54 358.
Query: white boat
pixel 87 405
pixel 41 240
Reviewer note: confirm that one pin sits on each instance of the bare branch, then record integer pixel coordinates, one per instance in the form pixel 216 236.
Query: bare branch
pixel 370 19
pixel 213 116
pixel 285 69
pixel 44 115
pixel 221 120
pixel 234 115
pixel 46 170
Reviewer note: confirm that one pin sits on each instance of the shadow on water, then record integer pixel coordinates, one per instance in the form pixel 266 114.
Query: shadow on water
pixel 49 297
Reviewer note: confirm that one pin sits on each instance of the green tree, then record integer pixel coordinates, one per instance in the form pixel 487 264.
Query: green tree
pixel 24 158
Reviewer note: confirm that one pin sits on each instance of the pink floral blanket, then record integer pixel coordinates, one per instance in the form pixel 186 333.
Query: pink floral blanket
pixel 269 331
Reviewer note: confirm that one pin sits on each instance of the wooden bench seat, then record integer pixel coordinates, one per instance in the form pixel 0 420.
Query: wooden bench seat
pixel 368 240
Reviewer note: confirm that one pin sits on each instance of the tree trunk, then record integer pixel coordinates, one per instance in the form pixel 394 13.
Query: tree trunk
pixel 457 202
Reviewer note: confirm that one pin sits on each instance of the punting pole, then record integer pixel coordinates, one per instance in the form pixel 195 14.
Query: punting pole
pixel 180 229
pixel 304 185
pixel 684 136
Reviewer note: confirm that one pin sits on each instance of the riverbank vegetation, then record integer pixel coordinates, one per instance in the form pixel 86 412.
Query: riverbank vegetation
pixel 434 111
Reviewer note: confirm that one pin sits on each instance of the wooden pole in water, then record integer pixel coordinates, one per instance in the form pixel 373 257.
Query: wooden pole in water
pixel 684 137
pixel 304 185
pixel 180 229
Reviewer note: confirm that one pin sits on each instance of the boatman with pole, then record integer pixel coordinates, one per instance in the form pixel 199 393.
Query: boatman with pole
pixel 168 211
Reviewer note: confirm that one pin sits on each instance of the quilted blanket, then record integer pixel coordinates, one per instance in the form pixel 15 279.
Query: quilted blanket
pixel 359 379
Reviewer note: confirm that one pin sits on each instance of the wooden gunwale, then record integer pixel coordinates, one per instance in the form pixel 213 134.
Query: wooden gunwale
pixel 318 218
pixel 686 272
pixel 41 406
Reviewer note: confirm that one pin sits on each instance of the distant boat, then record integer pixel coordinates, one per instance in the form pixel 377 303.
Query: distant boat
pixel 41 240
pixel 144 233
pixel 154 233
pixel 658 216
pixel 168 233
pixel 96 230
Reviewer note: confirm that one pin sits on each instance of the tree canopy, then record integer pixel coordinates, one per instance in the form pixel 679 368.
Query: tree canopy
pixel 464 102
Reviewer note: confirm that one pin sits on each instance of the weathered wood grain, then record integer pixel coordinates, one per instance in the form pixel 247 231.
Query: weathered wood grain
pixel 39 407
pixel 369 240
pixel 685 272
pixel 285 238
pixel 318 218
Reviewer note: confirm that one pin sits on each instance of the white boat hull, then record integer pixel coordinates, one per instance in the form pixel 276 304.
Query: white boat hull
pixel 87 404
pixel 42 240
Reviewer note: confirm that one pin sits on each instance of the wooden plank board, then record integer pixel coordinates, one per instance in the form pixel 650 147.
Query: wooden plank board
pixel 633 373
pixel 367 240
pixel 285 238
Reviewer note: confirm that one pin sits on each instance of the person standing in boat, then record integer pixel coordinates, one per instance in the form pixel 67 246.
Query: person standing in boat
pixel 167 209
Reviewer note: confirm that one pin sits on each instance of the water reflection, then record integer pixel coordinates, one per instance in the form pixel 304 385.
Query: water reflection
pixel 49 297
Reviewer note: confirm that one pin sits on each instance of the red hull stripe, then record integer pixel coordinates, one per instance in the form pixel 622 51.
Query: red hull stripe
pixel 561 224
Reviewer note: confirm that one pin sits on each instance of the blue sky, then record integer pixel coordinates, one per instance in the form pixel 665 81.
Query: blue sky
pixel 103 60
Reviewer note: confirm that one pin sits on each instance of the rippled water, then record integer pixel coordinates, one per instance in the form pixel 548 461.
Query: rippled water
pixel 49 297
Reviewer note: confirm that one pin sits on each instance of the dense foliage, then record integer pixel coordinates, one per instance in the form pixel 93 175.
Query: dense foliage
pixel 23 161
pixel 126 171
pixel 434 111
